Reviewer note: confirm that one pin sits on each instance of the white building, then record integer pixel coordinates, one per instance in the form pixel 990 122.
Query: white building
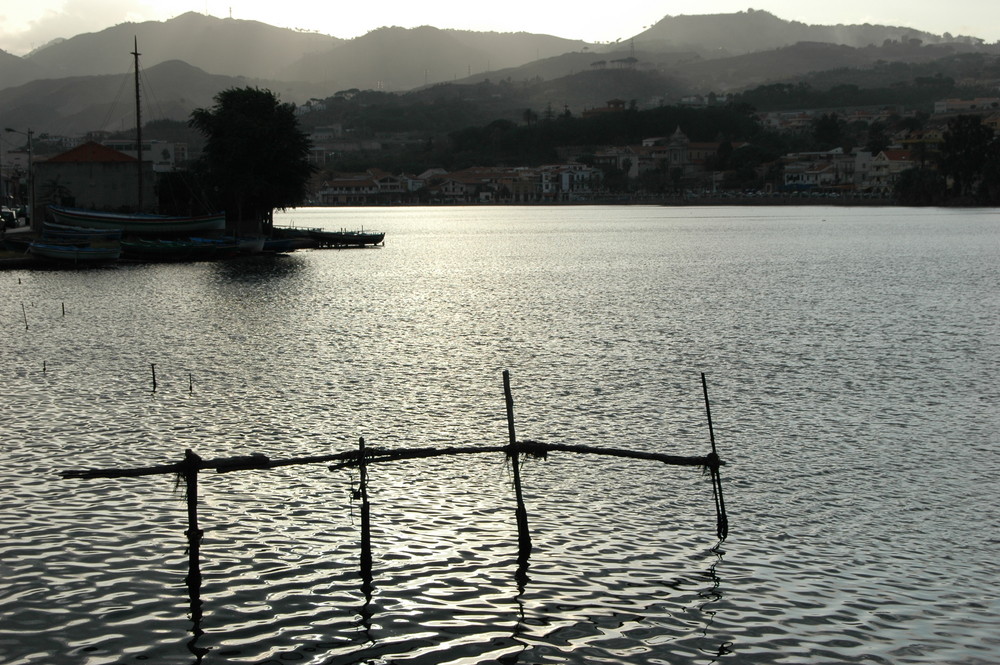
pixel 164 155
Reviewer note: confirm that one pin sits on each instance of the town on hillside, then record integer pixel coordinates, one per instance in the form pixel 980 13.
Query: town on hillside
pixel 96 171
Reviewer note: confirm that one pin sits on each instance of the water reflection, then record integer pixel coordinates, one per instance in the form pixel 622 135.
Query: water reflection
pixel 259 270
pixel 853 359
pixel 712 595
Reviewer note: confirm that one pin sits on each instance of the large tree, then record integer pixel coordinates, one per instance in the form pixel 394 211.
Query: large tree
pixel 256 158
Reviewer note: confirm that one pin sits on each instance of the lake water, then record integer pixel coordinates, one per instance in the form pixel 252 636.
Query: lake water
pixel 853 362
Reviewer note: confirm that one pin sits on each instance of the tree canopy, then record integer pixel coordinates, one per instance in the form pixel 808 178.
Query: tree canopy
pixel 968 148
pixel 256 158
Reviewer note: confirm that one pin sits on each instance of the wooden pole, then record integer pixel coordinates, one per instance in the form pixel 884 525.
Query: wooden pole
pixel 521 515
pixel 366 533
pixel 138 126
pixel 192 465
pixel 722 520
pixel 367 587
pixel 152 367
pixel 24 313
pixel 189 469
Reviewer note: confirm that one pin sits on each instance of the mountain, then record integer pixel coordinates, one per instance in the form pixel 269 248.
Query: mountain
pixel 723 35
pixel 799 60
pixel 70 85
pixel 394 58
pixel 398 59
pixel 221 46
pixel 689 73
pixel 75 105
pixel 15 70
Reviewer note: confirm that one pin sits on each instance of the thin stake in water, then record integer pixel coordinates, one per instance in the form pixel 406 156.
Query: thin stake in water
pixel 722 521
pixel 521 514
pixel 366 526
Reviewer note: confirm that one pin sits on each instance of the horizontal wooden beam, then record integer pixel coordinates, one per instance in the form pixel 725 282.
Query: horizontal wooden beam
pixel 258 461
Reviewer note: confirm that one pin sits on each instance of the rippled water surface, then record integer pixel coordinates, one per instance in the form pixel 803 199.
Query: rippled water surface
pixel 852 358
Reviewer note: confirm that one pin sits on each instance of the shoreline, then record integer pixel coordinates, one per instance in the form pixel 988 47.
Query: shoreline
pixel 667 201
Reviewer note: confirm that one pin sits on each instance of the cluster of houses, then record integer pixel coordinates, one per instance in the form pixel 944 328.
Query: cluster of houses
pixel 683 165
pixel 835 171
pixel 555 183
pixel 91 174
pixel 573 181
pixel 877 173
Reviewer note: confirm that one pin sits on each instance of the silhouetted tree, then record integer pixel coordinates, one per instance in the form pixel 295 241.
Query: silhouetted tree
pixel 965 153
pixel 828 130
pixel 988 192
pixel 256 158
pixel 921 187
pixel 878 138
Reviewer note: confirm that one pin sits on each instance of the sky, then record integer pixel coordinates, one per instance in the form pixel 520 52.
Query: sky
pixel 25 25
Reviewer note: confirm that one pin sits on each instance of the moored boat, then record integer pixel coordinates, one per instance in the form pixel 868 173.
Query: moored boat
pixel 347 238
pixel 138 223
pixel 74 253
pixel 61 234
pixel 324 238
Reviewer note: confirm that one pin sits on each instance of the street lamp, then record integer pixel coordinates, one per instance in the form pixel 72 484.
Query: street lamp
pixel 31 174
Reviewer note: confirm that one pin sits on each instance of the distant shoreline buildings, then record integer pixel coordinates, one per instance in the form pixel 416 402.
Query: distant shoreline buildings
pixel 671 164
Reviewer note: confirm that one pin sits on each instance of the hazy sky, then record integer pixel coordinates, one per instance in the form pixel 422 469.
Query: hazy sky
pixel 26 24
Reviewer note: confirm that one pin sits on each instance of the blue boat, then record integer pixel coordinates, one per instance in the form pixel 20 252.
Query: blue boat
pixel 74 253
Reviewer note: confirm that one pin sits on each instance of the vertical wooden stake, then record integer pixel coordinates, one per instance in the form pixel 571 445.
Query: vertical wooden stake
pixel 24 313
pixel 152 367
pixel 521 515
pixel 192 465
pixel 366 527
pixel 722 520
pixel 190 384
pixel 64 309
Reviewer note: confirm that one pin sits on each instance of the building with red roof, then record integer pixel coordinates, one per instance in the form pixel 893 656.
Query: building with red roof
pixel 96 177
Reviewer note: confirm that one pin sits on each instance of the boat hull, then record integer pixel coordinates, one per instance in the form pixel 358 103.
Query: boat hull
pixel 73 253
pixel 135 223
pixel 347 238
pixel 323 238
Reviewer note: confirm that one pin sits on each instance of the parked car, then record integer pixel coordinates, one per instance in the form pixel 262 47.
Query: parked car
pixel 8 218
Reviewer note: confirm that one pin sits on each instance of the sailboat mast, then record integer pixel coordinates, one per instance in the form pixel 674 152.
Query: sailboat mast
pixel 138 120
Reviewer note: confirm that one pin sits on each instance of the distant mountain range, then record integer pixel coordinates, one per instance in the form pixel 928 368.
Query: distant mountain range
pixel 71 86
pixel 751 31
